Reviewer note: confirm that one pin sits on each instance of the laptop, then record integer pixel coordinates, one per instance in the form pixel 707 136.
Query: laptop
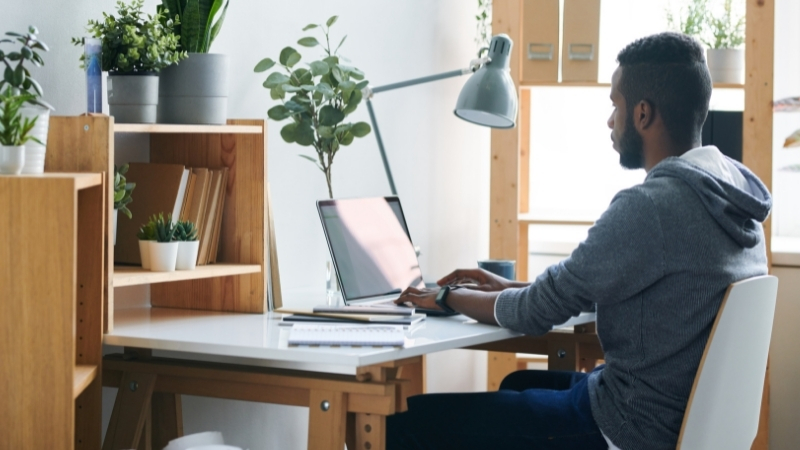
pixel 371 250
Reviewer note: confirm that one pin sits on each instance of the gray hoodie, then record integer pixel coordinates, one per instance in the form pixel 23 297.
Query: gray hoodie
pixel 656 264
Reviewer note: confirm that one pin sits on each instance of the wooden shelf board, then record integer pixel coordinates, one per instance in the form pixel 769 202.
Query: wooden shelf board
pixel 82 180
pixel 82 376
pixel 528 84
pixel 135 275
pixel 186 129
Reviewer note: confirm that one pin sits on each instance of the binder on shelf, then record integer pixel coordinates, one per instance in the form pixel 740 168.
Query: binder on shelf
pixel 160 188
pixel 218 217
pixel 540 40
pixel 579 54
pixel 208 218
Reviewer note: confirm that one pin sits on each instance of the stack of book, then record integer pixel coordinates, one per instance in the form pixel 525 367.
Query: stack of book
pixel 193 194
pixel 353 315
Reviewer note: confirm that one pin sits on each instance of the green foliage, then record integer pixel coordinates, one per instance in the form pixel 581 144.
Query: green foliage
pixel 147 232
pixel 716 24
pixel 165 228
pixel 320 97
pixel 194 21
pixel 185 231
pixel 15 72
pixel 122 190
pixel 14 129
pixel 132 43
pixel 484 23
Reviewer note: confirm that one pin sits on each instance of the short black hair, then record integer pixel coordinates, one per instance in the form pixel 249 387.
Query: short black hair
pixel 669 71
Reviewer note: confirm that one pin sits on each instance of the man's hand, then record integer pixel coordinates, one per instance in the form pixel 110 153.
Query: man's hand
pixel 421 298
pixel 478 279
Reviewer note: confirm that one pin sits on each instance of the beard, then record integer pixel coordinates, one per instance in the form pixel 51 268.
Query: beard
pixel 631 146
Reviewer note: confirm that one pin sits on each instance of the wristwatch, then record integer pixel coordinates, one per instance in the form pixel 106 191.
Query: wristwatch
pixel 441 298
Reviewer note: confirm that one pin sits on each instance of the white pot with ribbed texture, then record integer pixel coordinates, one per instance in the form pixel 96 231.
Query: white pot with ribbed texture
pixel 12 159
pixel 163 256
pixel 726 65
pixel 34 151
pixel 187 255
pixel 144 254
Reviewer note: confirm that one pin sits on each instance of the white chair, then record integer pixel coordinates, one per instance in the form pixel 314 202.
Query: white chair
pixel 725 402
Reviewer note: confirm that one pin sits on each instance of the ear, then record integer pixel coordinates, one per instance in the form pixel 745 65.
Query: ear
pixel 644 115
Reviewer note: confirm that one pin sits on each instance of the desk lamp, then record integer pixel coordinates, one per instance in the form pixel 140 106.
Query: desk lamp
pixel 488 98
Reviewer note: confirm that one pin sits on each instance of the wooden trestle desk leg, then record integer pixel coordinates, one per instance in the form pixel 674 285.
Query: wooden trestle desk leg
pixel 131 410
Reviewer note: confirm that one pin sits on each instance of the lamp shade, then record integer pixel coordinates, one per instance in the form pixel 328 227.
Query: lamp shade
pixel 489 97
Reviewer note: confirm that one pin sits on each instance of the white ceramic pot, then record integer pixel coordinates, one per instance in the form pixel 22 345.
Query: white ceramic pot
pixel 34 151
pixel 116 214
pixel 726 65
pixel 163 256
pixel 187 255
pixel 144 254
pixel 12 159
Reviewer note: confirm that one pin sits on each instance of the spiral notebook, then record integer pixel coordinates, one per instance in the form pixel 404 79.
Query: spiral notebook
pixel 353 335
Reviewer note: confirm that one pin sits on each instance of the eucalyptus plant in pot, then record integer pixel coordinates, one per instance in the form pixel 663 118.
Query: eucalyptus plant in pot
pixel 196 89
pixel 321 97
pixel 122 195
pixel 135 48
pixel 17 76
pixel 14 131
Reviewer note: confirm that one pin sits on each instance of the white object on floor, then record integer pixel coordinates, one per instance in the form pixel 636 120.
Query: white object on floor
pixel 196 440
pixel 215 447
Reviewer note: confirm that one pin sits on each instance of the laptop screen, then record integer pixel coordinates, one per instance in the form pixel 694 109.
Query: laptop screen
pixel 370 245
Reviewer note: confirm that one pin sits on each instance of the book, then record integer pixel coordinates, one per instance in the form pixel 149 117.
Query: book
pixel 353 318
pixel 218 216
pixel 208 217
pixel 355 335
pixel 187 198
pixel 160 188
pixel 366 309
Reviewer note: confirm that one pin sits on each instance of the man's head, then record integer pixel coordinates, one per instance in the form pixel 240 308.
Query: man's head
pixel 660 92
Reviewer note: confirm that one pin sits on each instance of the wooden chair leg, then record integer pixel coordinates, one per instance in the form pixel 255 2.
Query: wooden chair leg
pixel 167 418
pixel 130 411
pixel 350 432
pixel 500 365
pixel 370 432
pixel 327 418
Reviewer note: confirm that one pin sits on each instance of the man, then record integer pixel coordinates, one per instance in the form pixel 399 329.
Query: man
pixel 656 265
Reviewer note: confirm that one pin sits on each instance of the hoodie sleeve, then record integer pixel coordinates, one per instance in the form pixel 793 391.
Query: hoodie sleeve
pixel 622 255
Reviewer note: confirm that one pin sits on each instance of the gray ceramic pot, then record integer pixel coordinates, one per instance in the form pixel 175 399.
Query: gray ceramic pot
pixel 133 98
pixel 195 90
pixel 726 65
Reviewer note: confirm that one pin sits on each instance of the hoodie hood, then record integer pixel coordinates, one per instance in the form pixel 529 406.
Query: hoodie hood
pixel 736 199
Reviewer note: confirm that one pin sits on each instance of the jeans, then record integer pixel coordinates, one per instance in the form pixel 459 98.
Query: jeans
pixel 532 410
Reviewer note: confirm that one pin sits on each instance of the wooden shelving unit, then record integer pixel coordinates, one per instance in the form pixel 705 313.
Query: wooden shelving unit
pixel 51 289
pixel 238 283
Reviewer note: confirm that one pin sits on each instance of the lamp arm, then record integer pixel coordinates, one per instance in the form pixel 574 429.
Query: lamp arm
pixel 380 147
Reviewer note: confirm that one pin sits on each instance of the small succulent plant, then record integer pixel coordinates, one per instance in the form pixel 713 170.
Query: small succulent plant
pixel 185 231
pixel 122 190
pixel 147 232
pixel 165 228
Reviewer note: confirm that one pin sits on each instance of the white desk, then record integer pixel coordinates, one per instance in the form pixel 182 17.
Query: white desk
pixel 246 357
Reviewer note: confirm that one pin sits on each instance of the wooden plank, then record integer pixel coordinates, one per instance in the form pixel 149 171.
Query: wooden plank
pixel 500 365
pixel 523 254
pixel 370 432
pixel 130 411
pixel 82 180
pixel 86 144
pixel 327 416
pixel 37 353
pixel 136 275
pixel 159 128
pixel 88 418
pixel 541 29
pixel 243 231
pixel 524 150
pixel 581 39
pixel 757 132
pixel 83 375
pixel 167 419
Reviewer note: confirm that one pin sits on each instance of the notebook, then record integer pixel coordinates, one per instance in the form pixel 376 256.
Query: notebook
pixel 353 335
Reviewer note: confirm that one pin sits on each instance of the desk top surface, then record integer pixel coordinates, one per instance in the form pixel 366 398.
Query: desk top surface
pixel 259 339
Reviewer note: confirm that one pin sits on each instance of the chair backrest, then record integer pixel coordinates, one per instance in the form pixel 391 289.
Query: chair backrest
pixel 725 402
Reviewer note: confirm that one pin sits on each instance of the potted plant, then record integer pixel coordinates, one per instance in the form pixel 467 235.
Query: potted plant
pixel 321 97
pixel 188 245
pixel 14 131
pixel 164 250
pixel 196 89
pixel 122 195
pixel 721 29
pixel 134 49
pixel 146 235
pixel 17 76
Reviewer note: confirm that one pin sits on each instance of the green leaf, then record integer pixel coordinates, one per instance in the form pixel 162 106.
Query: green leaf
pixel 277 93
pixel 264 65
pixel 304 135
pixel 308 42
pixel 325 132
pixel 279 112
pixel 340 44
pixel 360 129
pixel 191 29
pixel 362 84
pixel 347 139
pixel 310 159
pixel 276 79
pixel 325 89
pixel 331 21
pixel 330 116
pixel 352 104
pixel 293 59
pixel 290 88
pixel 310 26
pixel 347 86
pixel 337 74
pixel 285 54
pixel 287 132
pixel 303 76
pixel 319 68
pixel 331 61
pixel 295 107
pixel 218 25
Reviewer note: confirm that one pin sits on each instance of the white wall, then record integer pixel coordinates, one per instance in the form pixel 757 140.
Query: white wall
pixel 441 164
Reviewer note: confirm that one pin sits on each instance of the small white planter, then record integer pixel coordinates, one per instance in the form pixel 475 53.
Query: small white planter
pixel 726 65
pixel 187 255
pixel 34 151
pixel 163 256
pixel 12 159
pixel 144 254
